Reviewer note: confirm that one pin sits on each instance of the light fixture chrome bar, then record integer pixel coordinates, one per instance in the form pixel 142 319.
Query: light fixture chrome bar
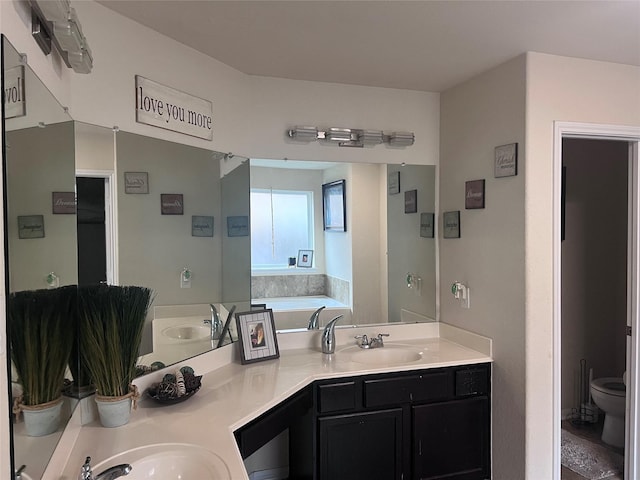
pixel 370 137
pixel 305 134
pixel 401 139
pixel 340 135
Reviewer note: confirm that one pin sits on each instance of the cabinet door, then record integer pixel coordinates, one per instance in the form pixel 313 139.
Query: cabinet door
pixel 451 440
pixel 361 446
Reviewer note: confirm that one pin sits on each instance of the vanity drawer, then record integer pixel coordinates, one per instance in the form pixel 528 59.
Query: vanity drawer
pixel 335 397
pixel 408 389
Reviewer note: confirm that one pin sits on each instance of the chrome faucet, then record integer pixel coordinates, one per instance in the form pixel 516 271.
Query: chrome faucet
pixel 109 474
pixel 329 336
pixel 314 320
pixel 215 323
pixel 375 342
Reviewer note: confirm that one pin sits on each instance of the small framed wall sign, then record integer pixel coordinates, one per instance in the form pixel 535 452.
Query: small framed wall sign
pixel 63 203
pixel 201 226
pixel 136 182
pixel 474 194
pixel 257 335
pixel 426 225
pixel 238 226
pixel 393 183
pixel 411 201
pixel 30 226
pixel 305 258
pixel 506 161
pixel 451 224
pixel 171 204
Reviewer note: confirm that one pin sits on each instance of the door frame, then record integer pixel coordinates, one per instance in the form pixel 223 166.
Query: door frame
pixel 110 219
pixel 601 132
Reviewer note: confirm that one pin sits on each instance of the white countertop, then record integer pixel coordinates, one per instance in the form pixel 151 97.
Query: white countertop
pixel 235 394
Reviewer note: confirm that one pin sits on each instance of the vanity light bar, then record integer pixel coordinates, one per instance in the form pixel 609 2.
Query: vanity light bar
pixel 351 137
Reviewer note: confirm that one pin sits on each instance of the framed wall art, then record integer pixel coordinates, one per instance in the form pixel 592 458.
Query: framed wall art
pixel 474 194
pixel 63 203
pixel 393 183
pixel 257 336
pixel 506 160
pixel 334 207
pixel 30 226
pixel 136 182
pixel 426 225
pixel 305 258
pixel 171 204
pixel 451 224
pixel 238 226
pixel 411 201
pixel 201 226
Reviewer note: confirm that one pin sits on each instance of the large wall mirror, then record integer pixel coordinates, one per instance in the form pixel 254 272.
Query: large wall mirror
pixel 181 221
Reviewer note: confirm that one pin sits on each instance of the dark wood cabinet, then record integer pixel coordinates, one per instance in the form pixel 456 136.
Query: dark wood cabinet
pixel 422 425
pixel 361 446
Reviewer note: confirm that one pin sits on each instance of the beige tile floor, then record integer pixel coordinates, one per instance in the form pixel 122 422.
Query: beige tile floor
pixel 591 432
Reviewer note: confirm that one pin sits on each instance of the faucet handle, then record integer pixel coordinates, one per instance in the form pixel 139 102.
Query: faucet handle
pixel 380 340
pixel 364 342
pixel 380 335
pixel 85 471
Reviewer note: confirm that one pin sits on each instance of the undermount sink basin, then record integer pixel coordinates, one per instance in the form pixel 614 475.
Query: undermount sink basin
pixel 168 461
pixel 188 332
pixel 390 354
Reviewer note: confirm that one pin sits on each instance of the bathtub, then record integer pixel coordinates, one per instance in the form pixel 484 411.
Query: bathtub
pixel 294 312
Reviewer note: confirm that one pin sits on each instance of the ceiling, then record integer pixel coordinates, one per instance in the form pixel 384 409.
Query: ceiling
pixel 416 45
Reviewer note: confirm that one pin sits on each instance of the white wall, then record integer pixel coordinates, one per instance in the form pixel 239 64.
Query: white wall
pixel 558 89
pixel 476 116
pixel 594 262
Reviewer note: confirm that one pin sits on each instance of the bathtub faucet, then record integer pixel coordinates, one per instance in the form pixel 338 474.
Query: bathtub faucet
pixel 314 323
pixel 215 323
pixel 329 336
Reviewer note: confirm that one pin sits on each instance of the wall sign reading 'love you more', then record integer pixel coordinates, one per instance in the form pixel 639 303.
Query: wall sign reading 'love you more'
pixel 165 107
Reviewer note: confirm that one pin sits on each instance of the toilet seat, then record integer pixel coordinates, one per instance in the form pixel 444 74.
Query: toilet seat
pixel 610 386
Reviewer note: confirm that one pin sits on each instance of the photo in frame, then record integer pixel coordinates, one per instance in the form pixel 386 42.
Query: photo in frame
pixel 426 225
pixel 305 258
pixel 257 336
pixel 334 207
pixel 63 203
pixel 30 226
pixel 136 182
pixel 474 194
pixel 171 204
pixel 506 161
pixel 451 224
pixel 201 226
pixel 238 226
pixel 411 201
pixel 393 183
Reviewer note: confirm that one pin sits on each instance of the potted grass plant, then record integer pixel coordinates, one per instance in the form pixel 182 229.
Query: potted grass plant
pixel 41 337
pixel 111 320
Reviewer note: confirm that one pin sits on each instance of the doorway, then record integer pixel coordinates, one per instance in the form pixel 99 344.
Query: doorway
pixel 619 305
pixel 96 228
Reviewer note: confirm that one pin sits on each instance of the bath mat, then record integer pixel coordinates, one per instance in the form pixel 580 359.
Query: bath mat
pixel 589 459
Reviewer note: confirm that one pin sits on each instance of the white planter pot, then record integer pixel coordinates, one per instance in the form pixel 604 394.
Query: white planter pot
pixel 114 411
pixel 42 420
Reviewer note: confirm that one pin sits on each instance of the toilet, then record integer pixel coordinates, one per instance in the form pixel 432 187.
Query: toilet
pixel 609 394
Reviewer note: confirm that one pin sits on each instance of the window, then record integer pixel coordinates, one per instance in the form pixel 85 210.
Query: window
pixel 281 224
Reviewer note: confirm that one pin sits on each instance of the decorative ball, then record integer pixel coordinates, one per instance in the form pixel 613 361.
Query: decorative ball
pixel 187 369
pixel 157 365
pixel 180 383
pixel 169 378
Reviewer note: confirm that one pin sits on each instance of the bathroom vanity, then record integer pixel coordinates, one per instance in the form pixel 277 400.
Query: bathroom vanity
pixel 422 424
pixel 423 414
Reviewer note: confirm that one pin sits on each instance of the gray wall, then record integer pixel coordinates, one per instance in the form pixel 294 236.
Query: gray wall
pixel 594 262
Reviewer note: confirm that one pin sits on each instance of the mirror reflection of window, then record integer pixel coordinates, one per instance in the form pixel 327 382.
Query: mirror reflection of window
pixel 281 224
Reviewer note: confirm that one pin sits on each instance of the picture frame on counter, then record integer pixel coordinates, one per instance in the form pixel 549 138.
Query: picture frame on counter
pixel 305 258
pixel 257 336
pixel 451 224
